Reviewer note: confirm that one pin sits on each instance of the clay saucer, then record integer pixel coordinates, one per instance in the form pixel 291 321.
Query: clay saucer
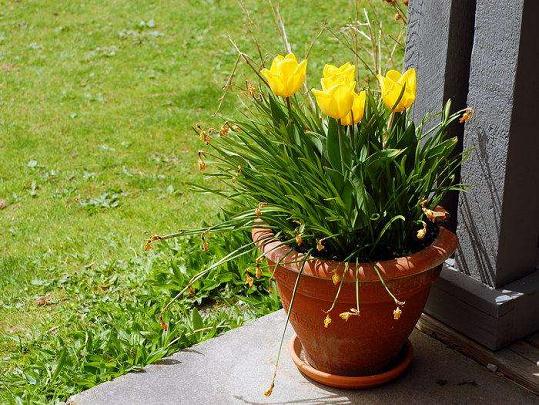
pixel 351 382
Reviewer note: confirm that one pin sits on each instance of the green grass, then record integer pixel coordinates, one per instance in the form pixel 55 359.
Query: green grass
pixel 97 100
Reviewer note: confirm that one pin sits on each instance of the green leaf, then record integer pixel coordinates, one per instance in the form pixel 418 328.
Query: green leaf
pixel 196 319
pixel 333 144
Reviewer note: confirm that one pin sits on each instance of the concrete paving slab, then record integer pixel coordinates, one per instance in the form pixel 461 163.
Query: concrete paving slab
pixel 236 368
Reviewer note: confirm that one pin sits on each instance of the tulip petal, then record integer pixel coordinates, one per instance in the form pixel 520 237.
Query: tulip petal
pixel 324 101
pixel 393 75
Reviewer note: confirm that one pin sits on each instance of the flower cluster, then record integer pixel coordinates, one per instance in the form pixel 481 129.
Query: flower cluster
pixel 338 97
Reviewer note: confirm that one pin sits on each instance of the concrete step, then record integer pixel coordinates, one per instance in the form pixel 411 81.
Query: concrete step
pixel 236 368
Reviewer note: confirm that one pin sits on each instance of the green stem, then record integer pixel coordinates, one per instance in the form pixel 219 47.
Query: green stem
pixel 294 291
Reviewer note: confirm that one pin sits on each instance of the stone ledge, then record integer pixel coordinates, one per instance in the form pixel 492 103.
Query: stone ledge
pixel 491 317
pixel 236 367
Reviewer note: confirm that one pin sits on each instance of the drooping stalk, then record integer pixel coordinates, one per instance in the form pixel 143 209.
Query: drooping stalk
pixel 306 257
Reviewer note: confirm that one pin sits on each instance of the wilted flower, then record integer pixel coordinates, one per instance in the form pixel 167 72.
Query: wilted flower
pixel 268 392
pixel 205 245
pixel 345 315
pixel 225 129
pixel 201 163
pixel 397 313
pixel 327 321
pixel 435 215
pixel 148 245
pixel 249 280
pixel 421 233
pixel 286 75
pixel 467 115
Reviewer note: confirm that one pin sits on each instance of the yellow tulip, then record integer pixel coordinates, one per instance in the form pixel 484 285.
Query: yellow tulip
pixel 392 87
pixel 337 75
pixel 358 110
pixel 337 100
pixel 286 75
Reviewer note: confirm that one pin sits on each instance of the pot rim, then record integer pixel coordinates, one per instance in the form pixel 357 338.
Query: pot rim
pixel 443 246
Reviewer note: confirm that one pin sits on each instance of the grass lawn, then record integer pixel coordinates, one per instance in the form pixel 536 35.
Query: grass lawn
pixel 97 101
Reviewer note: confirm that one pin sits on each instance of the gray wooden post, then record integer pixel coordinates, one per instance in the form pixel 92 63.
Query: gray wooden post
pixel 483 54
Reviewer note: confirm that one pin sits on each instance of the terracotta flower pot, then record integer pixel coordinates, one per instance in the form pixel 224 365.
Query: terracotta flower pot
pixel 363 345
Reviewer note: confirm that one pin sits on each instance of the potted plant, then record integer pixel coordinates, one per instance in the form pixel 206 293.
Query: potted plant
pixel 341 192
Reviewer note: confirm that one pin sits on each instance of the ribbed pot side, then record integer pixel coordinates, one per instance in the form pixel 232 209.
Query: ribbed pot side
pixel 365 344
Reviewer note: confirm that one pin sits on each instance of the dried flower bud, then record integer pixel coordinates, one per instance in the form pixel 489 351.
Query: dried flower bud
pixel 251 89
pixel 397 313
pixel 205 137
pixel 191 290
pixel 397 17
pixel 320 245
pixel 335 278
pixel 149 243
pixel 258 272
pixel 163 324
pixel 467 115
pixel 268 392
pixel 327 321
pixel 201 163
pixel 258 209
pixel 299 239
pixel 205 245
pixel 249 280
pixel 225 129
